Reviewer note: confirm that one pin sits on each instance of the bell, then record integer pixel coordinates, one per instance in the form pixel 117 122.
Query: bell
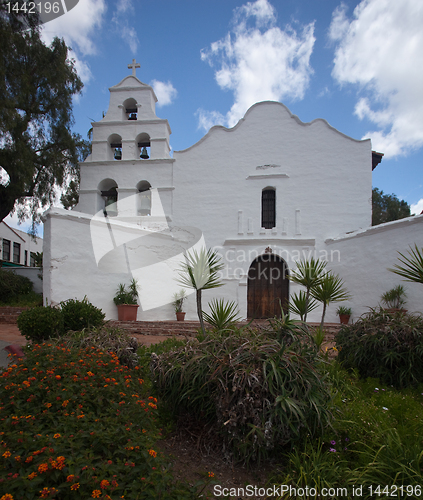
pixel 144 154
pixel 118 154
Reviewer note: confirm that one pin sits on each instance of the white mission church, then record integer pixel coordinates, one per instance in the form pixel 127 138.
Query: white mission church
pixel 306 191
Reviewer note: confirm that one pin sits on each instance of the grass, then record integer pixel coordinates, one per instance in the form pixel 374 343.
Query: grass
pixel 75 423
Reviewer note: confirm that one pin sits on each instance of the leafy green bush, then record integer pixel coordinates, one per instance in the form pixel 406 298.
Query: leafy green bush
pixel 371 442
pixel 12 285
pixel 385 346
pixel 40 323
pixel 76 424
pixel 105 338
pixel 80 314
pixel 258 392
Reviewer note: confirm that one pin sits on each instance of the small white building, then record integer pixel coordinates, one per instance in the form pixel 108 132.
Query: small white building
pixel 17 247
pixel 266 193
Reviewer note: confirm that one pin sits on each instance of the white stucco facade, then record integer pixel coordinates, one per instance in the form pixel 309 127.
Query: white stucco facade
pixel 136 216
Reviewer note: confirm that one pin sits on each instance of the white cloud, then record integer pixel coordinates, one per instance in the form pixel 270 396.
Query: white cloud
pixel 258 61
pixel 164 91
pixel 380 49
pixel 77 28
pixel 417 208
pixel 207 119
pixel 120 20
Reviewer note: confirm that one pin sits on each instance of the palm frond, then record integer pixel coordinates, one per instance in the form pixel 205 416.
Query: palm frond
pixel 412 268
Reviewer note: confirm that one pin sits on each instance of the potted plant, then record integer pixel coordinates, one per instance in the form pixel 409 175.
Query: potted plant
pixel 126 301
pixel 178 301
pixel 344 314
pixel 394 299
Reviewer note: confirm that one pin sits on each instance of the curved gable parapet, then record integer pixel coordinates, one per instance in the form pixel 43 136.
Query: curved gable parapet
pixel 259 107
pixel 132 83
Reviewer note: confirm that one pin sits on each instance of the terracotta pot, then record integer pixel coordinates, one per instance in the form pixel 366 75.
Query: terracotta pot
pixel 180 316
pixel 344 319
pixel 395 310
pixel 127 312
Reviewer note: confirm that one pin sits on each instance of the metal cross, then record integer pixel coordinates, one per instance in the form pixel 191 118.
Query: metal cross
pixel 133 66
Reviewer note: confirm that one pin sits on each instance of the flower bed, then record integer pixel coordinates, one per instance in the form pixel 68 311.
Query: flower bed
pixel 77 424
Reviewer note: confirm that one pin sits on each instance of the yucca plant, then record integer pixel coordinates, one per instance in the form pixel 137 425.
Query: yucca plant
pixel 412 268
pixel 330 289
pixel 301 305
pixel 222 315
pixel 200 271
pixel 309 274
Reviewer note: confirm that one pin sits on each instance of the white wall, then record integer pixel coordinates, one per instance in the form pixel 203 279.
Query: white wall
pixel 365 257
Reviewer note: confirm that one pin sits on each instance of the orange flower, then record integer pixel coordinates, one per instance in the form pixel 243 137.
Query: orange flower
pixel 6 454
pixel 7 497
pixel 153 453
pixel 58 377
pixel 43 468
pixel 45 492
pixel 70 478
pixel 32 475
pixel 104 484
pixel 211 474
pixel 75 486
pixel 56 436
pixel 96 494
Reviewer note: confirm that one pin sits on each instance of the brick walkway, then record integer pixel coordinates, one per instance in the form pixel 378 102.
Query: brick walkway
pixel 10 333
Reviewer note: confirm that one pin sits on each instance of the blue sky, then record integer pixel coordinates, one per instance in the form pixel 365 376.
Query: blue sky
pixel 358 65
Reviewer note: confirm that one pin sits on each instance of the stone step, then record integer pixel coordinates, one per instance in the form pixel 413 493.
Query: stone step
pixel 9 315
pixel 190 328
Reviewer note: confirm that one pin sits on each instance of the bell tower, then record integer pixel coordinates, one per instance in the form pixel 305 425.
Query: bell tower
pixel 129 173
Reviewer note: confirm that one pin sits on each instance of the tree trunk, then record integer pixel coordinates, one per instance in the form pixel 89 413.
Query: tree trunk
pixel 323 315
pixel 307 301
pixel 199 311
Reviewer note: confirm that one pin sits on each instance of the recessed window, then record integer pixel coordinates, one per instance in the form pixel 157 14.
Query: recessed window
pixel 16 253
pixel 268 208
pixel 6 249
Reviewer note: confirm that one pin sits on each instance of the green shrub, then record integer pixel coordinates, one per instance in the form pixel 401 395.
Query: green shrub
pixel 40 323
pixel 385 346
pixel 258 393
pixel 12 285
pixel 80 314
pixel 105 338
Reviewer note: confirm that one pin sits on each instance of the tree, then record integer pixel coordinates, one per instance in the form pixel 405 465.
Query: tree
pixel 38 150
pixel 387 207
pixel 309 274
pixel 329 289
pixel 200 272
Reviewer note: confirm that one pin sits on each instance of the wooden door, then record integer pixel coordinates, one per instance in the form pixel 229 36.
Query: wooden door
pixel 268 287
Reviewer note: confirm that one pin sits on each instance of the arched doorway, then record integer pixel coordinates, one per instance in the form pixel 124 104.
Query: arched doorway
pixel 268 287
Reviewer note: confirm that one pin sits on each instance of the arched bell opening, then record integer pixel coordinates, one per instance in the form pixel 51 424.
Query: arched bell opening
pixel 108 197
pixel 115 150
pixel 143 145
pixel 144 198
pixel 267 287
pixel 130 109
